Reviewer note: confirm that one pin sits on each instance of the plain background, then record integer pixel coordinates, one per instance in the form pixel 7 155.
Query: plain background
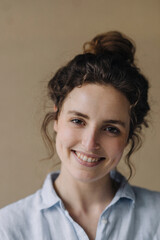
pixel 36 38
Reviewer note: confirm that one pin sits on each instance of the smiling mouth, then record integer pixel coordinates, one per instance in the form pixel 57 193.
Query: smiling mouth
pixel 87 159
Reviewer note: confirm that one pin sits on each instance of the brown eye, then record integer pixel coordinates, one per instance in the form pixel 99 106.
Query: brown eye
pixel 112 130
pixel 77 121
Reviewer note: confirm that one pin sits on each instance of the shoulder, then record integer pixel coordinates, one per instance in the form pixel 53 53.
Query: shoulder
pixel 25 218
pixel 146 209
pixel 146 197
pixel 147 203
pixel 16 216
pixel 22 205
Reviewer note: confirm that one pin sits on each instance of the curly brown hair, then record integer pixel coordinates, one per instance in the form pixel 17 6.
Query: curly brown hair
pixel 107 59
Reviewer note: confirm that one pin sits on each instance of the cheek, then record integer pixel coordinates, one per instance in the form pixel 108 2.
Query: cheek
pixel 66 137
pixel 115 148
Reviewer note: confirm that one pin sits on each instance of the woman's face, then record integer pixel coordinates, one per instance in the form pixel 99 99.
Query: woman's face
pixel 92 131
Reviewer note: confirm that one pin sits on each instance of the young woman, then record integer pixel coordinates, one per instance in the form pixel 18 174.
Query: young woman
pixel 99 106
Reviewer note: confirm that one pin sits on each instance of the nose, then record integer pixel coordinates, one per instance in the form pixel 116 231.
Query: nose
pixel 90 140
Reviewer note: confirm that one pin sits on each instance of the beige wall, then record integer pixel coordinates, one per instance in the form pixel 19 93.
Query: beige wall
pixel 36 37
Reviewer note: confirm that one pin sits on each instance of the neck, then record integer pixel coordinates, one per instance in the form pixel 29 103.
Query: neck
pixel 84 196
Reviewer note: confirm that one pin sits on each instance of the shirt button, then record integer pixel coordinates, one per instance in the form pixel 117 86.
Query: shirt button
pixel 104 221
pixel 66 212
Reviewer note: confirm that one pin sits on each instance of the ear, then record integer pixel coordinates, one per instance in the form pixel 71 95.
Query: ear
pixel 55 125
pixel 55 108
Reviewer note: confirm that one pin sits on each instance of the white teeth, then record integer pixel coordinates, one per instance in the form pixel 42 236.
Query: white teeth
pixel 85 158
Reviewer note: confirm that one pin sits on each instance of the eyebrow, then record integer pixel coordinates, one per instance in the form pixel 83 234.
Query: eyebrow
pixel 78 114
pixel 119 122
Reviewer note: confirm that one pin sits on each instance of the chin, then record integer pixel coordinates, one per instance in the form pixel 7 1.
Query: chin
pixel 87 177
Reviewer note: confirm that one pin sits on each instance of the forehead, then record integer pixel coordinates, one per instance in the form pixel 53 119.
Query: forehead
pixel 96 99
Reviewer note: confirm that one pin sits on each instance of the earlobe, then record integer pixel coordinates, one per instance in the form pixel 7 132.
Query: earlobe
pixel 55 121
pixel 55 125
pixel 55 108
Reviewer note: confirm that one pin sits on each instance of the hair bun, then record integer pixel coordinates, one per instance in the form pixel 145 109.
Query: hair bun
pixel 114 42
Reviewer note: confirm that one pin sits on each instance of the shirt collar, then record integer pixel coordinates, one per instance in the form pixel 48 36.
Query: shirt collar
pixel 125 190
pixel 50 198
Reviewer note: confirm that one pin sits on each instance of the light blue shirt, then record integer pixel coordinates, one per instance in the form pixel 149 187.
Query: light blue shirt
pixel 133 214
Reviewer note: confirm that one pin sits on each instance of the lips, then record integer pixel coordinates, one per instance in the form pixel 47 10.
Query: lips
pixel 91 160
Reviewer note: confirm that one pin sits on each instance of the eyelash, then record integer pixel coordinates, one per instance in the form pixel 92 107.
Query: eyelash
pixel 78 121
pixel 113 130
pixel 110 129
